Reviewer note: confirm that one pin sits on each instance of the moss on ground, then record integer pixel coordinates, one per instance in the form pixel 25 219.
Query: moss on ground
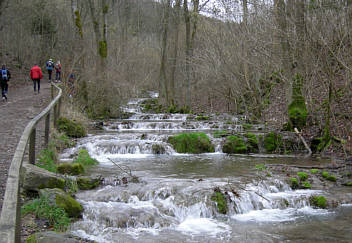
pixel 87 183
pixel 70 205
pixel 71 128
pixel 70 168
pixel 252 143
pixel 234 145
pixel 192 143
pixel 302 176
pixel 294 183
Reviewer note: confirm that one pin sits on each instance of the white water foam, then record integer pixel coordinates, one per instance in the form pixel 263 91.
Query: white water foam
pixel 201 226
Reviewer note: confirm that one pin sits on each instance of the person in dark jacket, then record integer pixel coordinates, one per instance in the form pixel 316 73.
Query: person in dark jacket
pixel 36 75
pixel 4 79
pixel 50 68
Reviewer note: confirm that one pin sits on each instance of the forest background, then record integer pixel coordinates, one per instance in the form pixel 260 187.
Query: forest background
pixel 285 63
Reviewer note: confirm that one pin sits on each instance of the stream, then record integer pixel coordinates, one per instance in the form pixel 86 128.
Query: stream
pixel 172 200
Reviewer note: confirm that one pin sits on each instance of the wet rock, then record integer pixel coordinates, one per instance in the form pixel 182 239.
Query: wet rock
pixel 88 183
pixel 51 236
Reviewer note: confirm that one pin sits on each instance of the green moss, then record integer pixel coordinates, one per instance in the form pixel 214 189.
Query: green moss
pixel 70 168
pixel 56 183
pixel 302 176
pixel 78 23
pixel 331 178
pixel 193 143
pixel 314 171
pixel 219 134
pixel 294 183
pixel 87 183
pixel 234 145
pixel 260 167
pixel 247 126
pixel 103 49
pixel 272 142
pixel 85 159
pixel 297 110
pixel 252 143
pixel 349 183
pixel 325 174
pixel 71 128
pixel 70 205
pixel 220 200
pixel 318 201
pixel 306 185
pixel 31 239
pixel 202 118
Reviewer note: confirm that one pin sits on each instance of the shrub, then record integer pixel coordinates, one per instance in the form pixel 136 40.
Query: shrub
pixel 302 176
pixel 193 143
pixel 43 209
pixel 318 201
pixel 71 128
pixel 234 145
pixel 272 142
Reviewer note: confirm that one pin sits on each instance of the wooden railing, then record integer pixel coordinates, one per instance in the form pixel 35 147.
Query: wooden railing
pixel 10 221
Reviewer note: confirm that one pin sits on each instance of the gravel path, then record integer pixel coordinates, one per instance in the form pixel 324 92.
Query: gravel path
pixel 22 106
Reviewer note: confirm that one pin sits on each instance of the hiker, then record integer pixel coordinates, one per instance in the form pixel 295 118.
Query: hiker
pixel 58 67
pixel 5 77
pixel 36 76
pixel 50 67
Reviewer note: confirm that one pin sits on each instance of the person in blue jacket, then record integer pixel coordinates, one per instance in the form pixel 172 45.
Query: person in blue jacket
pixel 50 67
pixel 5 77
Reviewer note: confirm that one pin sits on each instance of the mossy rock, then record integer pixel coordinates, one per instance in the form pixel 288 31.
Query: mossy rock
pixel 306 185
pixel 70 168
pixel 192 143
pixel 314 171
pixel 325 174
pixel 86 183
pixel 252 143
pixel 71 128
pixel 294 183
pixel 31 239
pixel 318 201
pixel 158 149
pixel 348 183
pixel 59 198
pixel 234 145
pixel 220 200
pixel 302 176
pixel 272 141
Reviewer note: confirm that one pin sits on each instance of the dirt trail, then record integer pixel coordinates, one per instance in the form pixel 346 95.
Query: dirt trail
pixel 22 106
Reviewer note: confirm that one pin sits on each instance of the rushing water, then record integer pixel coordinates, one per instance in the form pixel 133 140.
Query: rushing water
pixel 172 202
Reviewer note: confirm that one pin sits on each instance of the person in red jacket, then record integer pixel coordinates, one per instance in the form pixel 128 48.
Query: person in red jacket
pixel 36 76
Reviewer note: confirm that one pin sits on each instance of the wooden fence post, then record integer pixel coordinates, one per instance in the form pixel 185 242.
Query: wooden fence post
pixel 47 129
pixel 32 146
pixel 55 115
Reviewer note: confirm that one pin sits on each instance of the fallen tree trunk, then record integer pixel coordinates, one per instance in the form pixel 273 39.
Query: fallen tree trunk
pixel 304 142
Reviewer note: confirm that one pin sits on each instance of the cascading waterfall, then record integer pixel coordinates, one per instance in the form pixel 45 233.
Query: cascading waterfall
pixel 173 201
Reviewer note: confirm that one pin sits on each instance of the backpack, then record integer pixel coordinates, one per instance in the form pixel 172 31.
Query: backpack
pixel 4 74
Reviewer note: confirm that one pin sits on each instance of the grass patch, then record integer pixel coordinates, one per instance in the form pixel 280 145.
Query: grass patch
pixel 219 134
pixel 306 185
pixel 85 159
pixel 234 145
pixel 272 142
pixel 220 200
pixel 71 128
pixel 302 176
pixel 247 126
pixel 252 142
pixel 314 171
pixel 42 209
pixel 47 159
pixel 260 167
pixel 192 143
pixel 294 183
pixel 318 201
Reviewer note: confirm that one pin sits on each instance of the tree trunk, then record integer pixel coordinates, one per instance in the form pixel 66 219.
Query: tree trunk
pixel 163 86
pixel 188 52
pixel 175 52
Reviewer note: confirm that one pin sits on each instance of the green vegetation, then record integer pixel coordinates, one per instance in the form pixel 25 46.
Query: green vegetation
pixel 70 205
pixel 306 185
pixel 326 175
pixel 314 171
pixel 318 201
pixel 103 49
pixel 47 159
pixel 348 183
pixel 297 110
pixel 219 134
pixel 272 142
pixel 302 176
pixel 252 142
pixel 220 200
pixel 260 167
pixel 31 239
pixel 234 145
pixel 71 128
pixel 294 183
pixel 43 209
pixel 202 118
pixel 70 168
pixel 85 159
pixel 247 126
pixel 192 143
pixel 158 149
pixel 87 183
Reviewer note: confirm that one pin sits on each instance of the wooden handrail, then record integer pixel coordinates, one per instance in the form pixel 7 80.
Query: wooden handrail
pixel 10 220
